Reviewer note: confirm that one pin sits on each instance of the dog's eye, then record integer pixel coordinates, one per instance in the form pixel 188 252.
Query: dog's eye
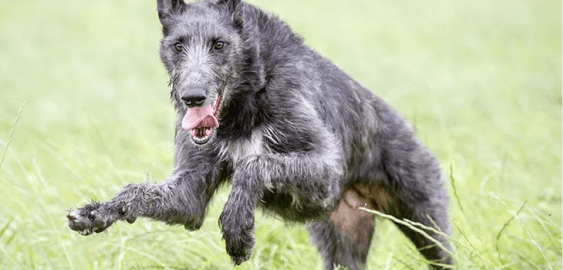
pixel 219 45
pixel 178 46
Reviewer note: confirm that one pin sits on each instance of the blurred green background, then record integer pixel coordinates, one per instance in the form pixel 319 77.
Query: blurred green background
pixel 84 109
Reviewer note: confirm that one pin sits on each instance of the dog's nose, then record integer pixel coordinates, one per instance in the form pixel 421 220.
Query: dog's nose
pixel 193 96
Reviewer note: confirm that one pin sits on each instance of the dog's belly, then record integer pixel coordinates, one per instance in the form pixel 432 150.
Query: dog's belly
pixel 292 208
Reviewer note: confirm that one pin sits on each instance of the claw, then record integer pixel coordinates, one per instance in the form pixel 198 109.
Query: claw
pixel 131 220
pixel 98 229
pixel 235 260
pixel 86 232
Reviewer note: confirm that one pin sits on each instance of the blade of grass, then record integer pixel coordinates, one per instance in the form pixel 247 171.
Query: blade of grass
pixel 3 230
pixel 411 225
pixel 499 234
pixel 12 133
pixel 532 239
pixel 452 180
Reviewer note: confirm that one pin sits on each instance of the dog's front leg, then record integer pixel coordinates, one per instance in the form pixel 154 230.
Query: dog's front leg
pixel 180 199
pixel 237 218
pixel 315 175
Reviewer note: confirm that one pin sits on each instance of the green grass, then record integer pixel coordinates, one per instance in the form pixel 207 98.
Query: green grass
pixel 481 81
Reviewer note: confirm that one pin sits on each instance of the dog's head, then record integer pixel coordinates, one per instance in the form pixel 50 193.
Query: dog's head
pixel 201 50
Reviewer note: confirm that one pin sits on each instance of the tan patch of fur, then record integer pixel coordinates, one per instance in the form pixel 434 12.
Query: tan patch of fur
pixel 376 194
pixel 354 222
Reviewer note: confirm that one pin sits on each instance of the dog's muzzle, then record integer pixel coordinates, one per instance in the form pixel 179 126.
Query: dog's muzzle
pixel 201 122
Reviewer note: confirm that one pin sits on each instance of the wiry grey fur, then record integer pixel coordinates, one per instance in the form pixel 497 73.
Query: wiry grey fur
pixel 295 132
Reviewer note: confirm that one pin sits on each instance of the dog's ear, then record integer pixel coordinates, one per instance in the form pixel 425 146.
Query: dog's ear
pixel 235 8
pixel 166 8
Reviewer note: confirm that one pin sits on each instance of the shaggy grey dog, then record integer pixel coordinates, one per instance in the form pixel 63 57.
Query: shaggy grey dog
pixel 292 133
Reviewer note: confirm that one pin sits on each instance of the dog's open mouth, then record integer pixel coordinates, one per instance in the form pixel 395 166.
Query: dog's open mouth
pixel 201 122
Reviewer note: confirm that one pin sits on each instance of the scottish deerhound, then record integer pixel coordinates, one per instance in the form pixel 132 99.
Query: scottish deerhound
pixel 291 132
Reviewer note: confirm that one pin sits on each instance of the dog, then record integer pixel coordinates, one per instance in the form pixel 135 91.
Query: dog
pixel 292 133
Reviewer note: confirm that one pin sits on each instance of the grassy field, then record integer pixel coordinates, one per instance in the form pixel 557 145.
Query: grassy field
pixel 84 110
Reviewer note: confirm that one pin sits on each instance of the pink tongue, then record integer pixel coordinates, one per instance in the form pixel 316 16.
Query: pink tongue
pixel 199 117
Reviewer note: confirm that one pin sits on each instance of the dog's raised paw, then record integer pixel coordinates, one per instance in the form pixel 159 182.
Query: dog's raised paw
pixel 88 219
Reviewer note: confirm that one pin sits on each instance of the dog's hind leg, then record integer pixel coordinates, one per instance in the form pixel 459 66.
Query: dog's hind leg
pixel 345 237
pixel 430 212
pixel 419 195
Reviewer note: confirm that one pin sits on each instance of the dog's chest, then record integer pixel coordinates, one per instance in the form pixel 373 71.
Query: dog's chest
pixel 237 150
